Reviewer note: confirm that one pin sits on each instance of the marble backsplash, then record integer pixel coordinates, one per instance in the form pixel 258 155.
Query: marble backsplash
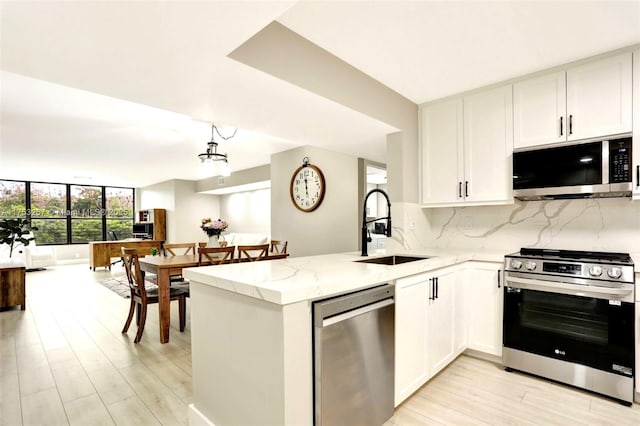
pixel 584 224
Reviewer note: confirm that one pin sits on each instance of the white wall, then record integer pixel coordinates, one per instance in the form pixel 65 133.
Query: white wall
pixel 190 208
pixel 185 208
pixel 332 227
pixel 586 224
pixel 248 212
pixel 314 69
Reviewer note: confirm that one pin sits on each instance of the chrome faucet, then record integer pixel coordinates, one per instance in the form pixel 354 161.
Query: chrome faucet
pixel 365 237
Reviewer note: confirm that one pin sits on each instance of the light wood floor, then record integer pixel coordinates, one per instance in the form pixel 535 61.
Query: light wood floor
pixel 64 361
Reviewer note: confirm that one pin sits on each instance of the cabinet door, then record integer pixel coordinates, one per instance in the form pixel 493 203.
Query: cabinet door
pixel 488 146
pixel 484 291
pixel 599 98
pixel 441 321
pixel 635 151
pixel 411 369
pixel 539 106
pixel 441 145
pixel 460 313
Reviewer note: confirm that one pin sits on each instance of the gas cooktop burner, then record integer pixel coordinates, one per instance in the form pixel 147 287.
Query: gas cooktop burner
pixel 575 254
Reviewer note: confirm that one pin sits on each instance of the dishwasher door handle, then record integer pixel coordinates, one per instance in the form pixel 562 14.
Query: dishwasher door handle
pixel 354 313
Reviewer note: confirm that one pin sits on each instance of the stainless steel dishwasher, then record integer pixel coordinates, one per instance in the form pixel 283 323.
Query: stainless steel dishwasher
pixel 354 358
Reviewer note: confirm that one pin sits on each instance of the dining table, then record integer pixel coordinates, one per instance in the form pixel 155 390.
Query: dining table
pixel 164 267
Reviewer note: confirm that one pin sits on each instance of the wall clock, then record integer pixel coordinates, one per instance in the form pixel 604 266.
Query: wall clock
pixel 307 187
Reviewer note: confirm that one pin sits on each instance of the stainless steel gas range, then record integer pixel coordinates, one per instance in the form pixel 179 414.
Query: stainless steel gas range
pixel 569 316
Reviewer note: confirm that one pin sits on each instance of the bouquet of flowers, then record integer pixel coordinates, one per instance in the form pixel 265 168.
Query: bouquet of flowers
pixel 213 227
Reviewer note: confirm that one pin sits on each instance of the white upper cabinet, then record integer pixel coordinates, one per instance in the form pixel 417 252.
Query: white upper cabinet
pixel 488 146
pixel 539 106
pixel 441 150
pixel 460 139
pixel 599 98
pixel 586 101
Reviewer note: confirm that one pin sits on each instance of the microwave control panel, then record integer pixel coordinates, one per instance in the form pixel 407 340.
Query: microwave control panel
pixel 620 160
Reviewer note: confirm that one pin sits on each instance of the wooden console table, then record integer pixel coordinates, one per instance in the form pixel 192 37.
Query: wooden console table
pixel 101 252
pixel 12 277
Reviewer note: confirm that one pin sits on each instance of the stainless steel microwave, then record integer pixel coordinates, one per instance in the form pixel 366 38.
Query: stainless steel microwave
pixel 576 170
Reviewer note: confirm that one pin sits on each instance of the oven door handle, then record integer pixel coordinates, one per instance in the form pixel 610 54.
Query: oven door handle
pixel 558 287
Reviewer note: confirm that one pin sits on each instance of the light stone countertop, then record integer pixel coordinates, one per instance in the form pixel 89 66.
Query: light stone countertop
pixel 298 279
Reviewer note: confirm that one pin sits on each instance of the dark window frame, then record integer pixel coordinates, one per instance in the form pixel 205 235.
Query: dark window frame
pixel 68 216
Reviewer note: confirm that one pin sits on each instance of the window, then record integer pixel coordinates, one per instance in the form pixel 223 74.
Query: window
pixel 13 201
pixel 86 213
pixel 119 212
pixel 49 212
pixel 67 214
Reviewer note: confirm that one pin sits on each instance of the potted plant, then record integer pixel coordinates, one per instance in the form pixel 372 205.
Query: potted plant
pixel 14 232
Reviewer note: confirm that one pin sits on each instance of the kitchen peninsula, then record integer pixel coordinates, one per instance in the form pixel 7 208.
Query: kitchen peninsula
pixel 251 330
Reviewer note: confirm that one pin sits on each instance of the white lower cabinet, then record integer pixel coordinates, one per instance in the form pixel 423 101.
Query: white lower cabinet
pixel 430 331
pixel 411 359
pixel 485 295
pixel 441 321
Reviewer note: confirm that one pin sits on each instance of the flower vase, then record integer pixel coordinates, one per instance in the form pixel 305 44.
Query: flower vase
pixel 213 241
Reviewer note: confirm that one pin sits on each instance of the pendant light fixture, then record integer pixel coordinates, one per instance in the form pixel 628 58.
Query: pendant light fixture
pixel 213 161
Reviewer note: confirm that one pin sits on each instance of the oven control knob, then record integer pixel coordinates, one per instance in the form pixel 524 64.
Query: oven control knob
pixel 516 264
pixel 614 272
pixel 530 266
pixel 595 271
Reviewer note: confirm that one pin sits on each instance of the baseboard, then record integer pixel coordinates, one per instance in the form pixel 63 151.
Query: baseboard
pixel 196 418
pixel 484 356
pixel 72 261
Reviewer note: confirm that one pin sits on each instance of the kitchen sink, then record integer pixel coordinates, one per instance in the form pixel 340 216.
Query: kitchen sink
pixel 392 260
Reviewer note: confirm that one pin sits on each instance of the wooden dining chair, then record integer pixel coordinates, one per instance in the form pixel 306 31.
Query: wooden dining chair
pixel 215 255
pixel 278 246
pixel 141 297
pixel 251 253
pixel 179 249
pixel 176 249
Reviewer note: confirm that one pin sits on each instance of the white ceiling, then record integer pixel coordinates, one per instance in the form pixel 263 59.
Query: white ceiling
pixel 124 92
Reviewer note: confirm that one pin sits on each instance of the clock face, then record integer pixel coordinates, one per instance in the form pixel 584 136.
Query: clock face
pixel 307 188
